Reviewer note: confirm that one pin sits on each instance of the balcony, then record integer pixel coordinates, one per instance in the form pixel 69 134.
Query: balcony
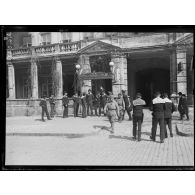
pixel 44 50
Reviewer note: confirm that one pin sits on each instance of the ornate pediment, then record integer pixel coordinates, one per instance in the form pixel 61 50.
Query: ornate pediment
pixel 98 46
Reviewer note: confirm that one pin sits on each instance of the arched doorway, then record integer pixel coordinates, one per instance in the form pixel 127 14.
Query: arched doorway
pixel 149 81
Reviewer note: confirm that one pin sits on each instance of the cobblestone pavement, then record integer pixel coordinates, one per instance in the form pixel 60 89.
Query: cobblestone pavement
pixel 78 141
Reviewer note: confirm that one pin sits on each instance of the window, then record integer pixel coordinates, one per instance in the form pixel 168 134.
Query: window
pixel 27 41
pixel 46 38
pixel 66 37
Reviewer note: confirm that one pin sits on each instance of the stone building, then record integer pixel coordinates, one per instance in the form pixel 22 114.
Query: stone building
pixel 43 63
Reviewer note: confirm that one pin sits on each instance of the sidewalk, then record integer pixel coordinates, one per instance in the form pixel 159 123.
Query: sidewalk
pixel 78 141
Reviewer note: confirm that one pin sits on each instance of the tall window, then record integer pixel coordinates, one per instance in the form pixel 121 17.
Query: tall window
pixel 27 41
pixel 46 38
pixel 66 37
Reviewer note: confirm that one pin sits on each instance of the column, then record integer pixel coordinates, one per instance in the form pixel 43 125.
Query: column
pixel 34 80
pixel 173 72
pixel 85 68
pixel 181 71
pixel 11 81
pixel 59 81
pixel 120 74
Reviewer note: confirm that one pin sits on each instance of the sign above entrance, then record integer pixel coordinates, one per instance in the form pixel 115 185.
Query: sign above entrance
pixel 96 76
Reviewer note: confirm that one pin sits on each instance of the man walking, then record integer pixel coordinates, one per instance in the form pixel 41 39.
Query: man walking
pixel 127 105
pixel 43 104
pixel 185 106
pixel 111 109
pixel 138 104
pixel 65 102
pixel 89 99
pixel 52 105
pixel 169 109
pixel 158 105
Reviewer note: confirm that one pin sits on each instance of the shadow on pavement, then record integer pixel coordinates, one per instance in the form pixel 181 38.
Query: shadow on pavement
pixel 38 119
pixel 121 137
pixel 67 135
pixel 101 127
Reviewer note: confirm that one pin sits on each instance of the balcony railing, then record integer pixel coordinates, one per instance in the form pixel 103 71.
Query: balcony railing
pixel 52 49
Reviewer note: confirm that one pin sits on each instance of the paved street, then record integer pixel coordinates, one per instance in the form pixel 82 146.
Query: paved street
pixel 78 141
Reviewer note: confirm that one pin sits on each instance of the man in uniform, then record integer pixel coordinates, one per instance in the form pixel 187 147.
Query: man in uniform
pixel 76 104
pixel 52 105
pixel 127 105
pixel 138 104
pixel 84 105
pixel 89 99
pixel 181 106
pixel 65 102
pixel 103 100
pixel 121 105
pixel 169 109
pixel 158 105
pixel 43 104
pixel 112 110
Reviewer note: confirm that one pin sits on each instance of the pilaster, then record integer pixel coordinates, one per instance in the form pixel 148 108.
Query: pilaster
pixel 11 81
pixel 34 79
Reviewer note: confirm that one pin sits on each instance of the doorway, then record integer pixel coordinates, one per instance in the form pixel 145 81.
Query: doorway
pixel 151 80
pixel 105 83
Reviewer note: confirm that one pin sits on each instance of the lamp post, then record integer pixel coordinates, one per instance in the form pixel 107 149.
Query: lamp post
pixel 77 80
pixel 111 64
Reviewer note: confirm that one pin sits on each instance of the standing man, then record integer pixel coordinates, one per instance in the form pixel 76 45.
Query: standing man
pixel 76 104
pixel 89 99
pixel 169 109
pixel 84 105
pixel 158 105
pixel 138 115
pixel 52 105
pixel 181 106
pixel 127 105
pixel 65 102
pixel 103 100
pixel 121 105
pixel 111 109
pixel 96 103
pixel 185 106
pixel 43 104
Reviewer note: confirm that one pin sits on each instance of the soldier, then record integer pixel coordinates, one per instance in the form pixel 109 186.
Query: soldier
pixel 96 103
pixel 158 105
pixel 111 109
pixel 169 109
pixel 181 106
pixel 76 104
pixel 103 100
pixel 65 102
pixel 89 99
pixel 43 104
pixel 138 114
pixel 52 105
pixel 121 105
pixel 84 105
pixel 127 105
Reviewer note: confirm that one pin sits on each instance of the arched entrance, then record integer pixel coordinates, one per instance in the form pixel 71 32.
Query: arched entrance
pixel 149 81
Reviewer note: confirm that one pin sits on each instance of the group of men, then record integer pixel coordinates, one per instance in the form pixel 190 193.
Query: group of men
pixel 162 109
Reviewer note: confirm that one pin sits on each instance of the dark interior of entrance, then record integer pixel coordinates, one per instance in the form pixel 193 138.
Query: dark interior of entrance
pixel 100 63
pixel 151 80
pixel 105 83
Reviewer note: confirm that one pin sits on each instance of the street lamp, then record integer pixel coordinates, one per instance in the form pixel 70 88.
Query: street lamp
pixel 111 64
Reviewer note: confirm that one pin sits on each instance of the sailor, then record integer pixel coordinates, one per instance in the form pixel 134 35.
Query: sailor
pixel 89 99
pixel 65 102
pixel 52 105
pixel 127 105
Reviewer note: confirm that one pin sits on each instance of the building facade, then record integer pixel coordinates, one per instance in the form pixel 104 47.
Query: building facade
pixel 43 63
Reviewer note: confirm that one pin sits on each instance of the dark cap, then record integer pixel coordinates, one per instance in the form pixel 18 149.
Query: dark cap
pixel 180 93
pixel 123 91
pixel 89 89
